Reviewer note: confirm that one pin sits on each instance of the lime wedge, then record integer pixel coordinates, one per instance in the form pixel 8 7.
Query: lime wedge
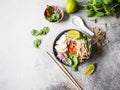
pixel 73 34
pixel 89 69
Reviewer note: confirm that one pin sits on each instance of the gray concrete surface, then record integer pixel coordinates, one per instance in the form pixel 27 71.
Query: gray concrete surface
pixel 22 67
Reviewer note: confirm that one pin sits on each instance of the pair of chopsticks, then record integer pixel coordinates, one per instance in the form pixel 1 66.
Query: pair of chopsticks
pixel 64 70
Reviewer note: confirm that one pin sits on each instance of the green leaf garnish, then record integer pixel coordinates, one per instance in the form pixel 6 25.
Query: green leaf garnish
pixel 101 8
pixel 74 68
pixel 90 13
pixel 88 43
pixel 73 61
pixel 54 17
pixel 34 32
pixel 82 36
pixel 37 43
pixel 50 11
pixel 41 32
pixel 44 31
pixel 100 14
pixel 69 61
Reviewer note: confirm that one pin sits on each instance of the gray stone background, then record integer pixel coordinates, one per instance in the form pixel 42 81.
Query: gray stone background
pixel 22 67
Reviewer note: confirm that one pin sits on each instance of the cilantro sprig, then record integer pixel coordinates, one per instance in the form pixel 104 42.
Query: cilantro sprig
pixel 36 33
pixel 42 31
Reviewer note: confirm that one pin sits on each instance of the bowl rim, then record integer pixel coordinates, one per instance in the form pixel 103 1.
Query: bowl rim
pixel 57 38
pixel 61 10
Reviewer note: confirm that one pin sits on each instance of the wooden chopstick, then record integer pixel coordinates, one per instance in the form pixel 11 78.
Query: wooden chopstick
pixel 64 70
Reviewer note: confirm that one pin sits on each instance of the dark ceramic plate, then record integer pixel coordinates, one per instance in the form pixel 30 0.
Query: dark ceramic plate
pixel 54 43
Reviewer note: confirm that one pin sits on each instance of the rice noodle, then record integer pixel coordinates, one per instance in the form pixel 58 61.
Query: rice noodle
pixel 82 49
pixel 64 44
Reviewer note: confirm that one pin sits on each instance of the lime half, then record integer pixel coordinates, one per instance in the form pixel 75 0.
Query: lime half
pixel 89 69
pixel 73 34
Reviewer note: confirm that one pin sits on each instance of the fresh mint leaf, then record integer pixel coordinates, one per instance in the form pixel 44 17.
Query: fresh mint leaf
pixel 97 2
pixel 100 14
pixel 107 1
pixel 37 43
pixel 103 8
pixel 34 32
pixel 90 13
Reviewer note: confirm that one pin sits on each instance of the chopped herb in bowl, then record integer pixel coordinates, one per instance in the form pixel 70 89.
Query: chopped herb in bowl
pixel 53 13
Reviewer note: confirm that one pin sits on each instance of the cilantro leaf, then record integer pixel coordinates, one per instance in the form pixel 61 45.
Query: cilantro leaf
pixel 49 19
pixel 44 31
pixel 55 17
pixel 37 43
pixel 41 31
pixel 50 11
pixel 34 32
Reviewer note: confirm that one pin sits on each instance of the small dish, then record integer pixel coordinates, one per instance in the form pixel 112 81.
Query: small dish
pixel 53 13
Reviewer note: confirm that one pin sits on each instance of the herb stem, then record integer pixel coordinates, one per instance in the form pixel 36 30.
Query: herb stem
pixel 114 6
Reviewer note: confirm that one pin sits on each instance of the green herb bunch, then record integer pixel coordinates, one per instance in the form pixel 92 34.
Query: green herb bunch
pixel 101 8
